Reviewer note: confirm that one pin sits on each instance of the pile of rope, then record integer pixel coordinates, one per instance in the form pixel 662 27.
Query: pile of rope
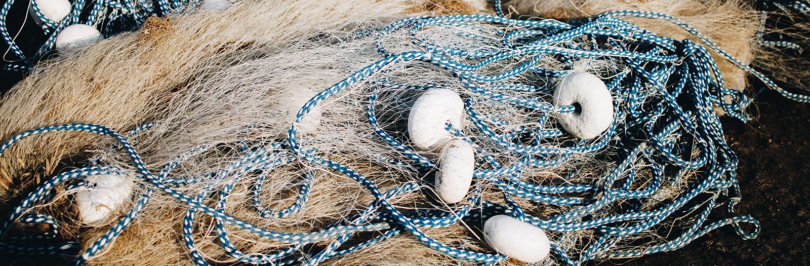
pixel 666 163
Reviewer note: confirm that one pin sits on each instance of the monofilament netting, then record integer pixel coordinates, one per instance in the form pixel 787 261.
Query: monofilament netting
pixel 647 184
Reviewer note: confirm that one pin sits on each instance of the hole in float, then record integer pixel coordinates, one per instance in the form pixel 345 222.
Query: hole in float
pixel 577 108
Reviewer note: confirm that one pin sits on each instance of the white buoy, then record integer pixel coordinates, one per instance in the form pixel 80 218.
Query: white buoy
pixel 293 100
pixel 100 203
pixel 456 165
pixel 592 96
pixel 515 239
pixel 426 121
pixel 77 36
pixel 53 10
pixel 215 5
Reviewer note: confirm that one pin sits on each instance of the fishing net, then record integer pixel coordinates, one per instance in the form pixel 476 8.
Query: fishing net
pixel 300 153
pixel 108 17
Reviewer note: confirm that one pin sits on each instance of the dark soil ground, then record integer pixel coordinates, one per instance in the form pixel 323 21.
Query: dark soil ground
pixel 775 180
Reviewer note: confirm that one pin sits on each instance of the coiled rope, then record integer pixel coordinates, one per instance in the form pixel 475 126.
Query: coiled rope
pixel 663 92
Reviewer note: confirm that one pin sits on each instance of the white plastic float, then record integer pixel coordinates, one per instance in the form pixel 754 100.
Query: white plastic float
pixel 593 97
pixel 515 239
pixel 429 114
pixel 456 167
pixel 77 36
pixel 100 203
pixel 427 129
pixel 53 10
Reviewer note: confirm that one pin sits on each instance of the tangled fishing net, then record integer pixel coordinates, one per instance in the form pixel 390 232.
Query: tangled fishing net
pixel 300 154
pixel 78 21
